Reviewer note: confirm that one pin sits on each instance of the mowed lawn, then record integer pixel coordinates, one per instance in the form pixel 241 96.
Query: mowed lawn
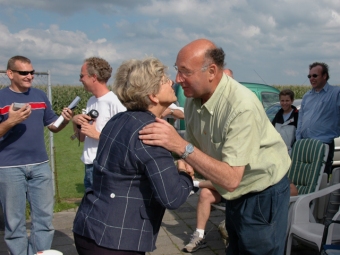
pixel 69 170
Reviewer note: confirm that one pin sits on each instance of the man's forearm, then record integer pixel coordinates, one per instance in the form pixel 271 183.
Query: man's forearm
pixel 216 171
pixel 5 127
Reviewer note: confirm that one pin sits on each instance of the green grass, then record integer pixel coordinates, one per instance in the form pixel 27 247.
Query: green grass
pixel 69 170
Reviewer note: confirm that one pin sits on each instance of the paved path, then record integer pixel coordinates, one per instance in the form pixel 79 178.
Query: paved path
pixel 175 232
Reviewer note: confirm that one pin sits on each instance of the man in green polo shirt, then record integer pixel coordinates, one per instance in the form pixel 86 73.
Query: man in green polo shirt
pixel 231 142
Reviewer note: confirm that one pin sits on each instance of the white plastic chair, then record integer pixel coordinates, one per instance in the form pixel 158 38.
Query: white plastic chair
pixel 301 227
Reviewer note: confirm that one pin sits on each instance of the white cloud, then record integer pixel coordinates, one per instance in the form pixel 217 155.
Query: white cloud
pixel 278 39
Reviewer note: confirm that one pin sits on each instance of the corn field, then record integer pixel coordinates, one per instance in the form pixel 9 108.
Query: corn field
pixel 62 95
pixel 299 91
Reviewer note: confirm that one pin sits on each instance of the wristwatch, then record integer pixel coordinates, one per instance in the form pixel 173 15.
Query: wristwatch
pixel 188 150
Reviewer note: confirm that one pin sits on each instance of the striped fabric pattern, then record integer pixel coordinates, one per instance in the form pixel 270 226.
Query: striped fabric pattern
pixel 307 161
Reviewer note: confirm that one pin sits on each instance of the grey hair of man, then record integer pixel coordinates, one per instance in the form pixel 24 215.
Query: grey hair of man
pixel 98 67
pixel 214 56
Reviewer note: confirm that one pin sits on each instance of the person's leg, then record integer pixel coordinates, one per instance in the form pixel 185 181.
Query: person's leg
pixel 256 223
pixel 206 198
pixel 40 196
pixel 13 199
pixel 88 177
pixel 329 162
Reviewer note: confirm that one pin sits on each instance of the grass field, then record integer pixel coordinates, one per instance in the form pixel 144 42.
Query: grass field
pixel 69 170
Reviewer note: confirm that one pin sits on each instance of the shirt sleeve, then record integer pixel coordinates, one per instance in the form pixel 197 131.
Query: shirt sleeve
pixel 170 187
pixel 49 116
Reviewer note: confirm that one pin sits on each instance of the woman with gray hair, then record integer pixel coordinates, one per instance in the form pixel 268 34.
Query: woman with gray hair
pixel 133 183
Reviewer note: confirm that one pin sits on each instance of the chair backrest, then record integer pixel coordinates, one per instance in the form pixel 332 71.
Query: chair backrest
pixel 308 162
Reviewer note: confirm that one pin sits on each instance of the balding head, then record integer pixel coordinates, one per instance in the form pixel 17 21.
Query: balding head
pixel 200 68
pixel 229 72
pixel 205 52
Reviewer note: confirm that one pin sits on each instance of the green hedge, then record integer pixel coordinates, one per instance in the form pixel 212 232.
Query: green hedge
pixel 62 95
pixel 299 91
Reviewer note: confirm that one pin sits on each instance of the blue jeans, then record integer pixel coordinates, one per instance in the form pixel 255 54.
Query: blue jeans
pixel 33 182
pixel 88 177
pixel 257 222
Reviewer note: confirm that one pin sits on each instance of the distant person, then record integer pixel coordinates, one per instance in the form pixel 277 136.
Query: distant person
pixel 229 72
pixel 133 183
pixel 173 112
pixel 94 74
pixel 25 171
pixel 230 141
pixel 319 115
pixel 286 119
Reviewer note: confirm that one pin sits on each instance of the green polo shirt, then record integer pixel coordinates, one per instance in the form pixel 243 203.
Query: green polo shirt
pixel 233 127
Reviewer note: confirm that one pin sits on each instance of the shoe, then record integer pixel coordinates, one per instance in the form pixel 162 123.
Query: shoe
pixel 195 243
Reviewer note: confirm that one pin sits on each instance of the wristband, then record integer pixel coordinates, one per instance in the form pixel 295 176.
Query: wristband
pixel 196 184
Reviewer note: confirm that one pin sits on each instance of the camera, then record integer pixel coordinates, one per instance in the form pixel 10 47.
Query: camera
pixel 18 106
pixel 93 114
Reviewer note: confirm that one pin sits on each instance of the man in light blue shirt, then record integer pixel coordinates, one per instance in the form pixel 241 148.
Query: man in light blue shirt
pixel 319 116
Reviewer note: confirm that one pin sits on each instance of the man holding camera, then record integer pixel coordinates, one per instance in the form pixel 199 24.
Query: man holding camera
pixel 94 74
pixel 25 173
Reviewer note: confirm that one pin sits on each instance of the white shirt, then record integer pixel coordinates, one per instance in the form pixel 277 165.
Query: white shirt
pixel 107 106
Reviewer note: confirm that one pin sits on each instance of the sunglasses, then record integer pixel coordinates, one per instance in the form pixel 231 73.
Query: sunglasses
pixel 24 73
pixel 313 75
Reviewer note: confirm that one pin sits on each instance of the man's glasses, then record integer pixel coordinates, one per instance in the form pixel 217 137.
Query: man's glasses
pixel 313 75
pixel 188 73
pixel 24 73
pixel 82 75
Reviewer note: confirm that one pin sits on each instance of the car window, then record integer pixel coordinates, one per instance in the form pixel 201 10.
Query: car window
pixel 272 110
pixel 269 98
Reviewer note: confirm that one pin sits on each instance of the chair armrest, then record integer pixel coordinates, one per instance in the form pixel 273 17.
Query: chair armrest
pixel 301 206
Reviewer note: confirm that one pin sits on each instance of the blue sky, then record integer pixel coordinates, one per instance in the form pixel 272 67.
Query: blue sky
pixel 270 42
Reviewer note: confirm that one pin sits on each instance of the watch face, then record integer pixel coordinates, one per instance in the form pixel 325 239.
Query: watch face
pixel 189 148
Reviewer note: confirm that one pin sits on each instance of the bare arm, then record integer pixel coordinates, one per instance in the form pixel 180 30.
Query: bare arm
pixel 163 134
pixel 206 184
pixel 14 118
pixel 67 114
pixel 79 119
pixel 176 113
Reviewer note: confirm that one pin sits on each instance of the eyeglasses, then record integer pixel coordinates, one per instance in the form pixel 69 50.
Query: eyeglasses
pixel 82 75
pixel 313 75
pixel 24 73
pixel 188 73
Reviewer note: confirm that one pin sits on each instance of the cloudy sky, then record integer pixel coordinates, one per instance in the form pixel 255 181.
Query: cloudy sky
pixel 270 42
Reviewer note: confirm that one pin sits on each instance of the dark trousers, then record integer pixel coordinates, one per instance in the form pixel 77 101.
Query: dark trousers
pixel 257 222
pixel 329 162
pixel 87 246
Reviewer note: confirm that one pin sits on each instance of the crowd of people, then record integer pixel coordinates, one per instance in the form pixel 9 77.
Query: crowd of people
pixel 137 164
